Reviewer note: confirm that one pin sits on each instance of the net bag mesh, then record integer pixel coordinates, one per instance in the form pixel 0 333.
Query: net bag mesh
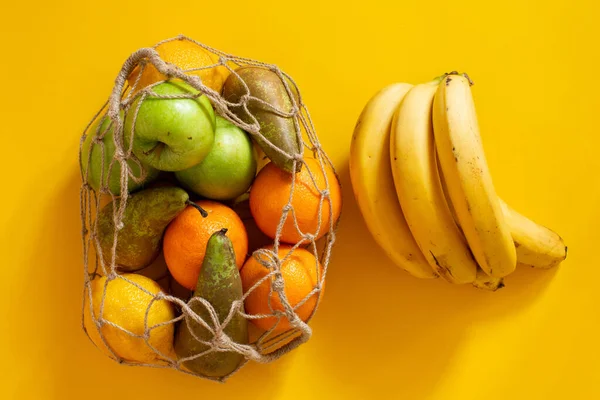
pixel 269 345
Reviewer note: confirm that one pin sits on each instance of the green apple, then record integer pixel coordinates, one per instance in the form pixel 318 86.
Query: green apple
pixel 97 162
pixel 229 168
pixel 172 134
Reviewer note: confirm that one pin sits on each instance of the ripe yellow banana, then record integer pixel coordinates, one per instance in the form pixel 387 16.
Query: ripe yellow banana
pixel 469 182
pixel 373 186
pixel 419 190
pixel 536 245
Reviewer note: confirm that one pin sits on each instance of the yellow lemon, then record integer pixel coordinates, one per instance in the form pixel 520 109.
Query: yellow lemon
pixel 125 305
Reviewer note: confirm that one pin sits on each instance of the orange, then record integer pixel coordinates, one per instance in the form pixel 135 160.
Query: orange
pixel 186 237
pixel 301 273
pixel 270 193
pixel 186 55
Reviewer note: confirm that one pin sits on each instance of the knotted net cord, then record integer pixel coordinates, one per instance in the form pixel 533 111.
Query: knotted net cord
pixel 118 105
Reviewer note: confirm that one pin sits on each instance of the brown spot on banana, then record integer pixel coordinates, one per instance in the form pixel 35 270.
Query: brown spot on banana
pixel 471 83
pixel 442 270
pixel 485 282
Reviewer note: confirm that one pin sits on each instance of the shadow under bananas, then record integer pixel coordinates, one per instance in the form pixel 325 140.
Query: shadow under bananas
pixel 372 311
pixel 77 364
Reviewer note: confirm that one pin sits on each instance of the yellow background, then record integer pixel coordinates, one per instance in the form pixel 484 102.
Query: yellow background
pixel 379 333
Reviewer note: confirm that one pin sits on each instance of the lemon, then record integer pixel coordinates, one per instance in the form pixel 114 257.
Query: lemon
pixel 125 305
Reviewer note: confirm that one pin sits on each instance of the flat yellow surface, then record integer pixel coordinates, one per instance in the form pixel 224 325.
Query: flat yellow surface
pixel 379 333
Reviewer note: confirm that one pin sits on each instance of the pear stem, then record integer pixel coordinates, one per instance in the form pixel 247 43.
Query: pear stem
pixel 197 207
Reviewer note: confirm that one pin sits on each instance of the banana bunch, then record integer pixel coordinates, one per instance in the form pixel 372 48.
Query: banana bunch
pixel 421 180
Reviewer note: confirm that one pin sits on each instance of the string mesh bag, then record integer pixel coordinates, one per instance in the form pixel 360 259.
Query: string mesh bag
pixel 263 347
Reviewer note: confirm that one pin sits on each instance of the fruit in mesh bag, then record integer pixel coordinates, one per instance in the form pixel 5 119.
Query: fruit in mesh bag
pixel 97 164
pixel 146 216
pixel 228 170
pixel 171 134
pixel 186 55
pixel 186 238
pixel 270 194
pixel 219 283
pixel 277 132
pixel 126 305
pixel 301 273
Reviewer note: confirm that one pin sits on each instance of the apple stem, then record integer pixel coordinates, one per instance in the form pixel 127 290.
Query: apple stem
pixel 197 207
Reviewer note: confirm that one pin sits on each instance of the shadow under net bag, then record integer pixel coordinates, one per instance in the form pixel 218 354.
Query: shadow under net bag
pixel 208 332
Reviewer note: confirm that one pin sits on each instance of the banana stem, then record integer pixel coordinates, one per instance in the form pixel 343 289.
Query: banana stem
pixel 197 207
pixel 471 83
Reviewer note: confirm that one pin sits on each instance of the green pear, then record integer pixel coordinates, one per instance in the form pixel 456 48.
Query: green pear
pixel 228 170
pixel 171 134
pixel 146 216
pixel 220 284
pixel 97 162
pixel 265 85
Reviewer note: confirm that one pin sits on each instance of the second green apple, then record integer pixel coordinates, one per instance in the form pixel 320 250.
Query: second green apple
pixel 228 170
